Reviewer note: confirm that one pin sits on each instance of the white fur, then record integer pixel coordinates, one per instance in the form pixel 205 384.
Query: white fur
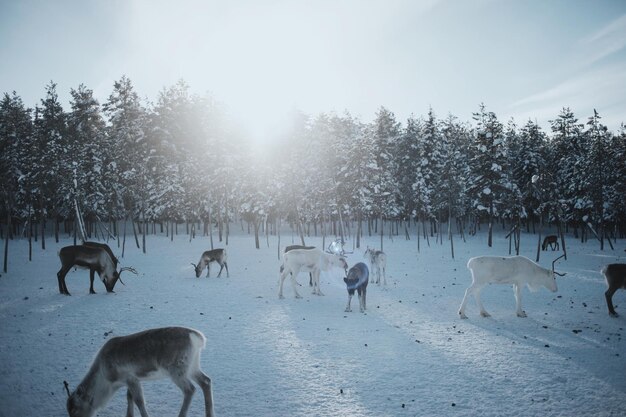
pixel 378 262
pixel 516 270
pixel 115 366
pixel 308 260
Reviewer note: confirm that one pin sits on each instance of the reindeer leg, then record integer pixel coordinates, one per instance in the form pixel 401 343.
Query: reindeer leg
pixel 362 299
pixel 61 278
pixel 316 282
pixel 91 276
pixel 609 301
pixel 221 268
pixel 468 291
pixel 518 300
pixel 205 385
pixel 130 408
pixel 281 280
pixel 226 265
pixel 483 312
pixel 188 389
pixel 293 276
pixel 348 309
pixel 134 388
pixel 208 269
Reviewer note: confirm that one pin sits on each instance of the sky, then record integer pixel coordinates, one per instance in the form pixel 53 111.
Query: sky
pixel 265 60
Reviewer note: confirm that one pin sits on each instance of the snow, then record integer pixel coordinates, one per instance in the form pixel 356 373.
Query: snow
pixel 409 355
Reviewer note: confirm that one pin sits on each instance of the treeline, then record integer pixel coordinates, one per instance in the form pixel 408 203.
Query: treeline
pixel 181 159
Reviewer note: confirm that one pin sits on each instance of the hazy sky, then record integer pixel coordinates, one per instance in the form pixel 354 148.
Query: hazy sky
pixel 526 59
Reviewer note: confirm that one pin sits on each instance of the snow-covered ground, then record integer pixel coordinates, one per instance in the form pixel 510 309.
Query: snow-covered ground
pixel 410 355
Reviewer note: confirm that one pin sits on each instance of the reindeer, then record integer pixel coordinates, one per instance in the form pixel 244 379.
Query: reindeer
pixel 378 261
pixel 357 279
pixel 516 270
pixel 308 260
pixel 552 241
pixel 215 255
pixel 96 259
pixel 292 247
pixel 172 352
pixel 105 247
pixel 615 275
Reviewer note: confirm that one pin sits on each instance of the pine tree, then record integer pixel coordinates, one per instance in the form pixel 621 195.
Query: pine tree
pixel 565 159
pixel 130 156
pixel 385 131
pixel 488 182
pixel 597 176
pixel 53 173
pixel 16 186
pixel 87 149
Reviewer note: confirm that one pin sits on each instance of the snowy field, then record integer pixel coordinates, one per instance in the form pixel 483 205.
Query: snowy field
pixel 410 355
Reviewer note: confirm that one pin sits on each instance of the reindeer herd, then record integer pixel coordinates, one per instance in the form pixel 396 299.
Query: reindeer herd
pixel 174 352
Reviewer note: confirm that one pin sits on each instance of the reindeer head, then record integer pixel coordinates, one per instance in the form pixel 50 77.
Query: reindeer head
pixel 198 268
pixel 110 281
pixel 78 402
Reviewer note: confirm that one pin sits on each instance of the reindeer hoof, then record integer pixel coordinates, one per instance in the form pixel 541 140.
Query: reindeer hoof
pixel 298 296
pixel 462 315
pixel 522 314
pixel 485 314
pixel 281 297
pixel 613 314
pixel 347 310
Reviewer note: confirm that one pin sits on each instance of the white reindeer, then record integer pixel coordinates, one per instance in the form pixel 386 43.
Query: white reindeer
pixel 308 260
pixel 516 270
pixel 172 352
pixel 378 261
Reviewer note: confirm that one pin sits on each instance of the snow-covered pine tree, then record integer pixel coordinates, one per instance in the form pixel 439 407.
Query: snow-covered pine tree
pixel 130 152
pixel 16 156
pixel 87 149
pixel 526 159
pixel 54 172
pixel 385 131
pixel 597 176
pixel 408 161
pixel 566 160
pixel 488 180
pixel 453 170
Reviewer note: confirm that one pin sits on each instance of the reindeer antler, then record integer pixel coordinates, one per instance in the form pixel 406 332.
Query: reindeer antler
pixel 553 262
pixel 126 268
pixel 67 388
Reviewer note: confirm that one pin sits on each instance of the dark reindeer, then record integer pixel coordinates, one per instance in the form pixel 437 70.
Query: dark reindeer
pixel 615 275
pixel 105 247
pixel 96 259
pixel 215 255
pixel 552 241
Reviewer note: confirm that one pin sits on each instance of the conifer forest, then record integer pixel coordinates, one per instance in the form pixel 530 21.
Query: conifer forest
pixel 180 162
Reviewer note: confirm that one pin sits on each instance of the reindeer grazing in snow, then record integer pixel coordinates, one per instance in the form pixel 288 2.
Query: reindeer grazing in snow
pixel 378 261
pixel 516 270
pixel 172 352
pixel 615 275
pixel 96 259
pixel 552 241
pixel 215 255
pixel 308 260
